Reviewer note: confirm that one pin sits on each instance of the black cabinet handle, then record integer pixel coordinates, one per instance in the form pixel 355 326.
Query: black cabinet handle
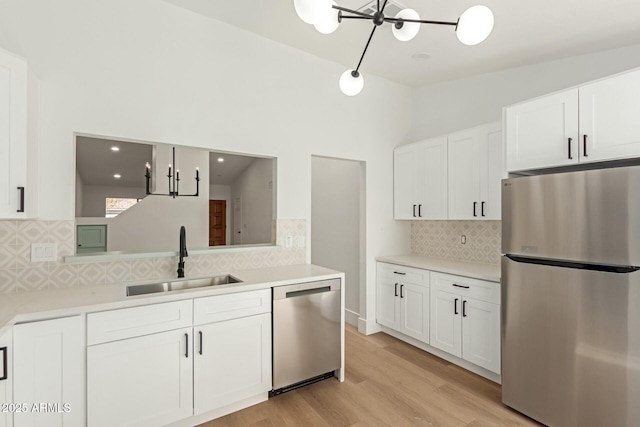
pixel 414 211
pixel 186 347
pixel 474 208
pixel 4 364
pixel 464 308
pixel 482 208
pixel 460 286
pixel 584 146
pixel 401 293
pixel 455 306
pixel 570 156
pixel 420 211
pixel 400 273
pixel 21 198
pixel 200 334
pixel 396 290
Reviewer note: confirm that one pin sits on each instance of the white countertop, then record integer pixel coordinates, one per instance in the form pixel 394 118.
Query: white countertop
pixel 40 305
pixel 476 270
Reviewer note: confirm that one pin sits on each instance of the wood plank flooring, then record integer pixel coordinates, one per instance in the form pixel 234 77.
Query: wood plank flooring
pixel 388 383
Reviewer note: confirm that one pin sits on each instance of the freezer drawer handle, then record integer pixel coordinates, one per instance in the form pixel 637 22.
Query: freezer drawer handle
pixel 570 156
pixel 4 363
pixel 455 306
pixel 460 286
pixel 308 292
pixel 400 273
pixel 396 289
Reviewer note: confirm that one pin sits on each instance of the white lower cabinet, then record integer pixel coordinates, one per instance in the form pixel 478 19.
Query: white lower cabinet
pixel 465 319
pixel 6 379
pixel 48 366
pixel 232 361
pixel 142 381
pixel 403 300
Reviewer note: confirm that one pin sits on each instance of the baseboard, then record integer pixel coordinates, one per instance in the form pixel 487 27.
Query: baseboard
pixel 351 317
pixel 444 355
pixel 221 412
pixel 368 326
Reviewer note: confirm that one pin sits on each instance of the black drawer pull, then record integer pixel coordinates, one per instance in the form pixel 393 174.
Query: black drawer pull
pixel 5 366
pixel 455 306
pixel 464 308
pixel 461 286
pixel 396 290
pixel 200 333
pixel 186 347
pixel 400 273
pixel 401 293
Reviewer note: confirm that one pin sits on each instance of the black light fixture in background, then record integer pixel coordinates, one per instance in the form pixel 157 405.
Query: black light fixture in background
pixel 174 181
pixel 472 27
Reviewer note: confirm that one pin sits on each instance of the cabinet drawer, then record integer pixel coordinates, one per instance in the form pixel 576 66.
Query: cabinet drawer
pixel 231 306
pixel 465 286
pixel 132 322
pixel 405 274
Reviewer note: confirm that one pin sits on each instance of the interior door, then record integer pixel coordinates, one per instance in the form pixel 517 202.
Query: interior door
pixel 237 221
pixel 217 222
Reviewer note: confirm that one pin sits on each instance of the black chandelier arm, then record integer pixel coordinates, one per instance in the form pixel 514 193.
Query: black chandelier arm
pixel 366 47
pixel 383 6
pixel 355 12
pixel 419 21
pixel 355 17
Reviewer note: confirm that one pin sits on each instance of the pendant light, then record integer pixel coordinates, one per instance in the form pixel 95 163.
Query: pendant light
pixel 473 27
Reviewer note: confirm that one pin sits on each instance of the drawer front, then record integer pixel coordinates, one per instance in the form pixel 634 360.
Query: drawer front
pixel 231 306
pixel 400 273
pixel 133 322
pixel 479 289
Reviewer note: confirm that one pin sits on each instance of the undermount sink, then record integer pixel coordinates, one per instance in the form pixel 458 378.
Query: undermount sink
pixel 177 285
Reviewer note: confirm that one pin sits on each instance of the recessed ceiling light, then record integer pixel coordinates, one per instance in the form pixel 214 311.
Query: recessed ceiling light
pixel 421 56
pixel 220 159
pixel 114 148
pixel 117 176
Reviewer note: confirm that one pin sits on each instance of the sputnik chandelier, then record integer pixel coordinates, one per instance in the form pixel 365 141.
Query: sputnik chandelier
pixel 472 27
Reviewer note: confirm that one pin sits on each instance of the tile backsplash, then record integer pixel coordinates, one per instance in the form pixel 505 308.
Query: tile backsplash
pixel 19 274
pixel 441 239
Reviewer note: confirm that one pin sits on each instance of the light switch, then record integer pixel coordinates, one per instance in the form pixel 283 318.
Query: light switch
pixel 44 252
pixel 288 242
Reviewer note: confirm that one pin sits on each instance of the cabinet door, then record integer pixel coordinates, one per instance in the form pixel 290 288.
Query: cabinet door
pixel 6 378
pixel 13 133
pixel 491 173
pixel 481 334
pixel 232 361
pixel 48 369
pixel 144 381
pixel 388 302
pixel 446 324
pixel 403 182
pixel 91 238
pixel 414 303
pixel 538 132
pixel 432 180
pixel 609 112
pixel 464 174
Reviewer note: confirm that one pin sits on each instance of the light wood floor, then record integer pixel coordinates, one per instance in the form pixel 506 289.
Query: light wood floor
pixel 388 383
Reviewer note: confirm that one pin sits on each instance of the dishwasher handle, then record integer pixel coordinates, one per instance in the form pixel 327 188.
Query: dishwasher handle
pixel 308 288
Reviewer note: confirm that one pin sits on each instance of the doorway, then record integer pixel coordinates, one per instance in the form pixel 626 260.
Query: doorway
pixel 338 224
pixel 237 221
pixel 217 222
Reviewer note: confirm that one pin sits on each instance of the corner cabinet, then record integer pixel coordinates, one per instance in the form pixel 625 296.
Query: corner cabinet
pixel 453 317
pixel 475 170
pixel 420 180
pixel 591 123
pixel 48 369
pixel 403 300
pixel 16 139
pixel 6 379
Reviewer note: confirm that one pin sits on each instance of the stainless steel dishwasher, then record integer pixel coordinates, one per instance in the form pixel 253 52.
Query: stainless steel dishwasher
pixel 306 333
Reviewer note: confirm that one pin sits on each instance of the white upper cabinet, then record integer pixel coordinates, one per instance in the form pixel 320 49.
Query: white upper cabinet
pixel 420 180
pixel 13 135
pixel 475 171
pixel 594 122
pixel 610 118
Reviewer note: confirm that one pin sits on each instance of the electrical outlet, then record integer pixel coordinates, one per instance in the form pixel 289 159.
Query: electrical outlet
pixel 288 242
pixel 300 241
pixel 463 239
pixel 43 252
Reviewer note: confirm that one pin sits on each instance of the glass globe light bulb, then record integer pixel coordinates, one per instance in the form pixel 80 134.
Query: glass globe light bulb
pixel 409 29
pixel 312 11
pixel 328 23
pixel 351 84
pixel 475 25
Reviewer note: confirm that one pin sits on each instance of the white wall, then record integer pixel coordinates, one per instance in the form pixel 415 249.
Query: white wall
pixel 254 188
pixel 335 223
pixel 79 195
pixel 150 71
pixel 223 192
pixel 459 104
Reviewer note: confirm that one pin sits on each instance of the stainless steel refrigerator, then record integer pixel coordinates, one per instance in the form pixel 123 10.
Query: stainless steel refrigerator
pixel 571 297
